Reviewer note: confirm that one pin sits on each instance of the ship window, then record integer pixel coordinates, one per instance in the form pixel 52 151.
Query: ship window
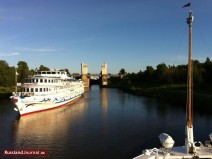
pixel 36 89
pixel 31 89
pixel 36 80
pixel 49 80
pixel 40 89
pixel 48 72
pixel 45 80
pixel 27 90
pixel 53 72
pixel 41 80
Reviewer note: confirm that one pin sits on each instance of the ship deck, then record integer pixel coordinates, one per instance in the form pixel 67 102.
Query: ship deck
pixel 179 152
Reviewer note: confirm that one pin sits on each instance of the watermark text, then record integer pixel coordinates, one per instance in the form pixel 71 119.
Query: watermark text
pixel 25 152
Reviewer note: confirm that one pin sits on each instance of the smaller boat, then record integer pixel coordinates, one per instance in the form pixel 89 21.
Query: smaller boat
pixel 191 149
pixel 46 90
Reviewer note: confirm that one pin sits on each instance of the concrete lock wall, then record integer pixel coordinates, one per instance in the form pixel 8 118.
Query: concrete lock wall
pixel 104 75
pixel 86 79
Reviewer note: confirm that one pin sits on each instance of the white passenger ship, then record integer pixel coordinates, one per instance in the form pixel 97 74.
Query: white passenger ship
pixel 46 90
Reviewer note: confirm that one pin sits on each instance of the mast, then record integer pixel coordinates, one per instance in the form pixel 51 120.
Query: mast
pixel 189 141
pixel 190 77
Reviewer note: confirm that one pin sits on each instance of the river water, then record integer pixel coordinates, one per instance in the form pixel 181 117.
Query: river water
pixel 105 123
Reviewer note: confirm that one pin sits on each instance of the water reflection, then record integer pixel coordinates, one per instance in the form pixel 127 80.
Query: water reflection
pixel 104 99
pixel 50 129
pixel 105 123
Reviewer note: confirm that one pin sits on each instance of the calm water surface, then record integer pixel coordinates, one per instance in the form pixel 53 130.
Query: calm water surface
pixel 105 123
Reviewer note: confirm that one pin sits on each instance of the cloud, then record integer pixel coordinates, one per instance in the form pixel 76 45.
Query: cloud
pixel 38 49
pixel 10 54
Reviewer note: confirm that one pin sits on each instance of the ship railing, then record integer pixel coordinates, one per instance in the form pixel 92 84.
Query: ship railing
pixel 23 94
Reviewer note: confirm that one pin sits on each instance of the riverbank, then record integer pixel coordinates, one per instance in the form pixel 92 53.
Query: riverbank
pixel 176 94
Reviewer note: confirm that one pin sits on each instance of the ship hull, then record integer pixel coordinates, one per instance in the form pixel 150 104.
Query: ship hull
pixel 36 107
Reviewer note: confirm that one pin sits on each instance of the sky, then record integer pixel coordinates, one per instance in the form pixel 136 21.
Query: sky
pixel 128 34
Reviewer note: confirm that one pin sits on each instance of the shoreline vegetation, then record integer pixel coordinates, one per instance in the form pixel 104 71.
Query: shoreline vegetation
pixel 164 82
pixel 169 83
pixel 174 94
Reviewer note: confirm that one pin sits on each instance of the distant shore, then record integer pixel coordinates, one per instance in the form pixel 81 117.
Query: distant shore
pixel 201 99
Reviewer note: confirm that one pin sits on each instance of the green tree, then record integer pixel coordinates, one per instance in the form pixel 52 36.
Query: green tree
pixel 160 73
pixel 149 73
pixel 122 72
pixel 43 68
pixel 207 75
pixel 31 72
pixel 7 74
pixel 197 75
pixel 68 73
pixel 197 72
pixel 168 75
pixel 180 74
pixel 23 71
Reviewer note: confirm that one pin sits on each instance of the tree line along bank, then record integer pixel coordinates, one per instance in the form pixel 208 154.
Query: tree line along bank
pixel 150 82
